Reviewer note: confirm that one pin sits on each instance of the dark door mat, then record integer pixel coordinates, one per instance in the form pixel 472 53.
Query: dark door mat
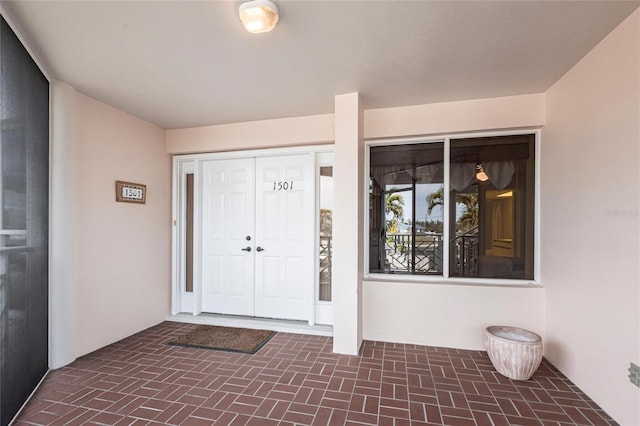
pixel 230 339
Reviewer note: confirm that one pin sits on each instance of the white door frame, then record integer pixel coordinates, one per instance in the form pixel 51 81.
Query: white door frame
pixel 177 261
pixel 181 301
pixel 323 311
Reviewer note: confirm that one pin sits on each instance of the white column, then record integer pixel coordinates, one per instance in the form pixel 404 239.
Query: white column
pixel 348 220
pixel 61 226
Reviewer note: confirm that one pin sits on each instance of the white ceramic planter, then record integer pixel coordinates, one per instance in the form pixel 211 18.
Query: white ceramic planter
pixel 515 353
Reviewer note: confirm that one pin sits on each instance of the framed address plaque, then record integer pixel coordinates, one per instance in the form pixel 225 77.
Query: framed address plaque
pixel 127 192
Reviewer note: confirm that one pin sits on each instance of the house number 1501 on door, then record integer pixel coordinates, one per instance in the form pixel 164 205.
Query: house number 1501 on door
pixel 283 186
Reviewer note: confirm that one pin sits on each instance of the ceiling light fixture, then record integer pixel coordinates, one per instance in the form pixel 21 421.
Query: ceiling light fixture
pixel 480 174
pixel 258 16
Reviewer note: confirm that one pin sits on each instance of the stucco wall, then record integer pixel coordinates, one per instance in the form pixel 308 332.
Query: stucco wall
pixel 451 117
pixel 291 131
pixel 447 315
pixel 590 221
pixel 122 249
pixel 450 314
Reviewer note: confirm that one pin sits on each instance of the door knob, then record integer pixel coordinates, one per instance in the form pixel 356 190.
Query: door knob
pixel 259 249
pixel 246 249
pixel 248 238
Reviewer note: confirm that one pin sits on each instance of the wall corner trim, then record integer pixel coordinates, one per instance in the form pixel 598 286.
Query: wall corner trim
pixel 61 235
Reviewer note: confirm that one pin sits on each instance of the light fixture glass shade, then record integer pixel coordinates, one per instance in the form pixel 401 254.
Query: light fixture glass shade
pixel 258 16
pixel 480 174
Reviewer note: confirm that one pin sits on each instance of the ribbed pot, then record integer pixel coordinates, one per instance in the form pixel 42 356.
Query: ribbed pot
pixel 515 353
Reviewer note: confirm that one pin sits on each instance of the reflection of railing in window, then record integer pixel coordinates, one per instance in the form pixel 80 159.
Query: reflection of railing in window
pixel 425 256
pixel 466 252
pixel 325 268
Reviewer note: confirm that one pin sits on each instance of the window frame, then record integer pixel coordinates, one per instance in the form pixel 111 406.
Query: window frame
pixel 445 278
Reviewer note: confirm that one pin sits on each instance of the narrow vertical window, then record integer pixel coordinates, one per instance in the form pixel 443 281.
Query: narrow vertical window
pixel 326 211
pixel 189 233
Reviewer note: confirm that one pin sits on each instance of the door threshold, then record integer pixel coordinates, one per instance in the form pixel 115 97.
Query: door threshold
pixel 283 326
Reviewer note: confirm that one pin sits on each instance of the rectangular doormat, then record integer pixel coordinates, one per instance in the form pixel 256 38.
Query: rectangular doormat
pixel 230 339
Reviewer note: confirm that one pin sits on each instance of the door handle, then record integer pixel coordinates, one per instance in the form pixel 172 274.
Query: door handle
pixel 259 249
pixel 246 249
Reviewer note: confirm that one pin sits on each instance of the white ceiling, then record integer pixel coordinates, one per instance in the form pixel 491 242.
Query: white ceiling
pixel 190 63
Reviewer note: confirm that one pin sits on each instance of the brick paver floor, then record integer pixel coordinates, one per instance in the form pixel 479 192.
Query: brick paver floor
pixel 297 380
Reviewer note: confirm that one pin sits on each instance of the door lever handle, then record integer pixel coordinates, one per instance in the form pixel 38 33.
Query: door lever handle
pixel 259 249
pixel 246 249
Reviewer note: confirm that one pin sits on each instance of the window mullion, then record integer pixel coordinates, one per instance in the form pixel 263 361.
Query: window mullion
pixel 446 217
pixel 413 224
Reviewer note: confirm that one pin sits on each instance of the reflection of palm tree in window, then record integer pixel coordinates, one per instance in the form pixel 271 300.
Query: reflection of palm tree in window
pixel 326 222
pixel 469 201
pixel 394 203
pixel 469 217
pixel 435 199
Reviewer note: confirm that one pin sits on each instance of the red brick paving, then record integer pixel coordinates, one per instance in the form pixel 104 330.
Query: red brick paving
pixel 296 380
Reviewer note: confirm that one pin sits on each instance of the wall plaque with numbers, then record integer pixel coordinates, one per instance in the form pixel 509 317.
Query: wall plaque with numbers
pixel 127 192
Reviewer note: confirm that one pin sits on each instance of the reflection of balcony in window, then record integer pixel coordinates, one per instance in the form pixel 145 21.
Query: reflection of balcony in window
pixel 424 256
pixel 325 268
pixel 466 254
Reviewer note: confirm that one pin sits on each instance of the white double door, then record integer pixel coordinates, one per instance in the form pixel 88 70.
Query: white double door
pixel 257 237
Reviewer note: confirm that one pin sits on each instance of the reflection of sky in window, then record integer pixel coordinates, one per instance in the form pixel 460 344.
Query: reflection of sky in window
pixel 326 192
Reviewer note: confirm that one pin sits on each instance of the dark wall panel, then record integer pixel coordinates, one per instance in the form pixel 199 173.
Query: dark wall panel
pixel 24 205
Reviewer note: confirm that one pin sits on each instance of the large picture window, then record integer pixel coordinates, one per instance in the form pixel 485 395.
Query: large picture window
pixel 489 229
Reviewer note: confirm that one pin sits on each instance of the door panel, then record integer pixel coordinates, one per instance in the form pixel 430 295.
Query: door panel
pixel 228 219
pixel 284 230
pixel 270 200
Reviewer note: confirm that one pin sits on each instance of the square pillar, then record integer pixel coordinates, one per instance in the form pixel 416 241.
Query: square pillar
pixel 348 224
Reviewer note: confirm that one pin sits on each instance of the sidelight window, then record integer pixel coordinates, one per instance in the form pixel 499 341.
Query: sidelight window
pixel 326 231
pixel 188 219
